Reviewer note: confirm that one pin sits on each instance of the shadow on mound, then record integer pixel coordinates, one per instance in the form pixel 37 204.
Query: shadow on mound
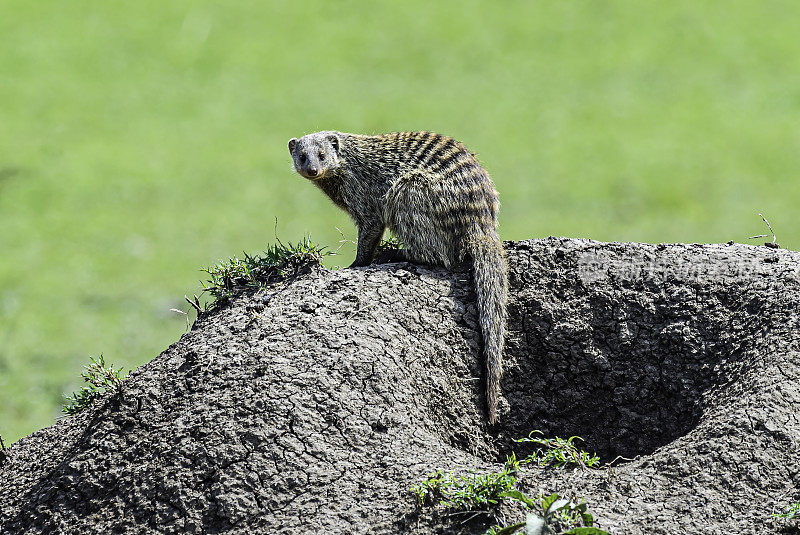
pixel 314 407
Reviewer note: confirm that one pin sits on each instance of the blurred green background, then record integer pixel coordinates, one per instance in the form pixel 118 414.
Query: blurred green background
pixel 142 141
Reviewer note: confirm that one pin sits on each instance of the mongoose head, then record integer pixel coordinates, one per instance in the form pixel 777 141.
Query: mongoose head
pixel 315 154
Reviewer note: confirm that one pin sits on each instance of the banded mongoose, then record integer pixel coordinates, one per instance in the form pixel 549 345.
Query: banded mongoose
pixel 432 193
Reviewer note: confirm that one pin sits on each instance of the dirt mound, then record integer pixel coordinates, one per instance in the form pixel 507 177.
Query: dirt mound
pixel 314 407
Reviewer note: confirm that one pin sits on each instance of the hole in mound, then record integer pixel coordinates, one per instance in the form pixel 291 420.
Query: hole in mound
pixel 626 376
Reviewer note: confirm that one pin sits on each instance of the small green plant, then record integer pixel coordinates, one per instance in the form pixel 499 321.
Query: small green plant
pixel 390 250
pixel 393 242
pixel 480 493
pixel 100 378
pixel 558 452
pixel 235 274
pixel 470 491
pixel 550 515
pixel 790 512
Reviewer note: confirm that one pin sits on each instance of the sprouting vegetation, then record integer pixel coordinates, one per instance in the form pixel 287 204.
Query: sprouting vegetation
pixel 790 512
pixel 558 452
pixel 469 491
pixel 392 242
pixel 100 378
pixel 481 494
pixel 279 261
pixel 550 514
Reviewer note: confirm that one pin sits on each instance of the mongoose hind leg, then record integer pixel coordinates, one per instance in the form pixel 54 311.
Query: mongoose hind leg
pixel 414 212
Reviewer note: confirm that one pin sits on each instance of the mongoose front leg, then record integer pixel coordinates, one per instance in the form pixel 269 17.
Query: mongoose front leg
pixel 369 235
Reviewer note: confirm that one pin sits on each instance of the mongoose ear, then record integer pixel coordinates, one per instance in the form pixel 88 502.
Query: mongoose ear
pixel 334 142
pixel 292 144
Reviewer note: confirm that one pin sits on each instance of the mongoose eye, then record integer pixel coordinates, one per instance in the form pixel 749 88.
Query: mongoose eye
pixel 321 156
pixel 303 158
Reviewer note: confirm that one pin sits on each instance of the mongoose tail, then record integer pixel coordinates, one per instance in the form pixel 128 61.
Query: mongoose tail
pixel 491 285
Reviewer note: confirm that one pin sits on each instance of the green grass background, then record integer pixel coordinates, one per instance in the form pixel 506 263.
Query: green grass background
pixel 141 141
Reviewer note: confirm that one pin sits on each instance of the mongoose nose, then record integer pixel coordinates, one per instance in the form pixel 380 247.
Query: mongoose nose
pixel 312 171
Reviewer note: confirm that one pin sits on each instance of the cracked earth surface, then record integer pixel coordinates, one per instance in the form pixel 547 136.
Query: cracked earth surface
pixel 314 407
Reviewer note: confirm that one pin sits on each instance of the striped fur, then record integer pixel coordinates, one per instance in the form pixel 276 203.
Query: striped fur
pixel 432 193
